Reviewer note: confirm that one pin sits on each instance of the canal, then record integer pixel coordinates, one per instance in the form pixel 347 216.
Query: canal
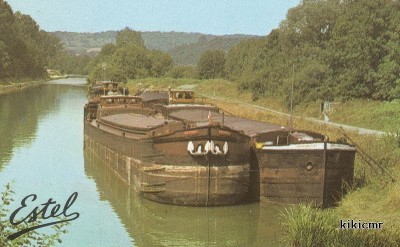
pixel 41 152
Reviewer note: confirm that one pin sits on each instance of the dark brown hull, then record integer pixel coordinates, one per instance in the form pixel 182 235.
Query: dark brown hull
pixel 162 169
pixel 314 173
pixel 181 226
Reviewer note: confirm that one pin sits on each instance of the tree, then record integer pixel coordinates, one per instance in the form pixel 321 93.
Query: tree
pixel 340 49
pixel 5 61
pixel 107 50
pixel 133 60
pixel 161 63
pixel 25 49
pixel 211 64
pixel 129 36
pixel 107 72
pixel 130 58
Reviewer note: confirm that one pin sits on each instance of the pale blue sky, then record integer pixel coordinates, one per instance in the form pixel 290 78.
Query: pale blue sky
pixel 257 17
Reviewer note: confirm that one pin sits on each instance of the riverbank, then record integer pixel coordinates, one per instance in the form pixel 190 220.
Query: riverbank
pixel 16 87
pixel 374 196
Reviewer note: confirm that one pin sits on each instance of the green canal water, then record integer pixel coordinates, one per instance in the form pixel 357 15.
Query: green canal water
pixel 41 152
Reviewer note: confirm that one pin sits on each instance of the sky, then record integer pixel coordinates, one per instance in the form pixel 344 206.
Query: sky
pixel 256 17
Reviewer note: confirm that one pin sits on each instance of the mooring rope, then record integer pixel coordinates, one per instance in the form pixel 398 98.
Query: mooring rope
pixel 368 159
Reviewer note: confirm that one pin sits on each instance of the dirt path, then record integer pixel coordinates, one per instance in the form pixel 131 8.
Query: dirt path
pixel 361 131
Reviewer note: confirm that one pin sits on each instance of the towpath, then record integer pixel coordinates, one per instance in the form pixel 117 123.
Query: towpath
pixel 350 128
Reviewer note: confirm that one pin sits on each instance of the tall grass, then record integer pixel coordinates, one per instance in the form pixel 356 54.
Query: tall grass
pixel 307 226
pixel 378 115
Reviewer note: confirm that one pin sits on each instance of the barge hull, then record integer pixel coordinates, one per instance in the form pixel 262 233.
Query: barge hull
pixel 188 183
pixel 311 173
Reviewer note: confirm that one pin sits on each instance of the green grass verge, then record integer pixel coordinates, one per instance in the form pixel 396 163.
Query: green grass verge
pixel 377 115
pixel 306 226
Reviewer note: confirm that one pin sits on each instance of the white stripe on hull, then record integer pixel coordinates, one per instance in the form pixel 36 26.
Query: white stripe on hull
pixel 312 146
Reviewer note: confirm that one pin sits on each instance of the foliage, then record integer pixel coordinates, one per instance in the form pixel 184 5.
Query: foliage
pixel 189 54
pixel 25 50
pixel 211 64
pixel 329 49
pixel 104 72
pixel 133 60
pixel 32 238
pixel 128 59
pixel 67 63
pixel 161 63
pixel 182 71
pixel 129 36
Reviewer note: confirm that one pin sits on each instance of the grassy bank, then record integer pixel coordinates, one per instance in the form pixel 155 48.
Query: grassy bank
pixel 306 226
pixel 6 88
pixel 373 197
pixel 384 116
pixel 377 115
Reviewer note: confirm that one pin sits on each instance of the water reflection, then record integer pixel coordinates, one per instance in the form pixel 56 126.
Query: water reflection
pixel 153 224
pixel 41 143
pixel 48 161
pixel 20 114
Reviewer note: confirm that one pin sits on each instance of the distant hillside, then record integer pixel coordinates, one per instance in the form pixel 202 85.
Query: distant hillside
pixel 166 41
pixel 185 48
pixel 79 43
pixel 189 54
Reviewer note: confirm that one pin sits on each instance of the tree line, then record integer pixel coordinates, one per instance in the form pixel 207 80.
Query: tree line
pixel 128 58
pixel 25 50
pixel 328 49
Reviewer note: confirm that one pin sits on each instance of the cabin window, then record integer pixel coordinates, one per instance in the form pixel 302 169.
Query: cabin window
pixel 188 96
pixel 282 140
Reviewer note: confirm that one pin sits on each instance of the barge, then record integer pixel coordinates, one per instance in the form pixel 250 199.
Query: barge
pixel 301 166
pixel 171 150
pixel 181 153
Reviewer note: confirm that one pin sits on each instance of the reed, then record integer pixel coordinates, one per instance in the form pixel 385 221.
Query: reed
pixel 306 226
